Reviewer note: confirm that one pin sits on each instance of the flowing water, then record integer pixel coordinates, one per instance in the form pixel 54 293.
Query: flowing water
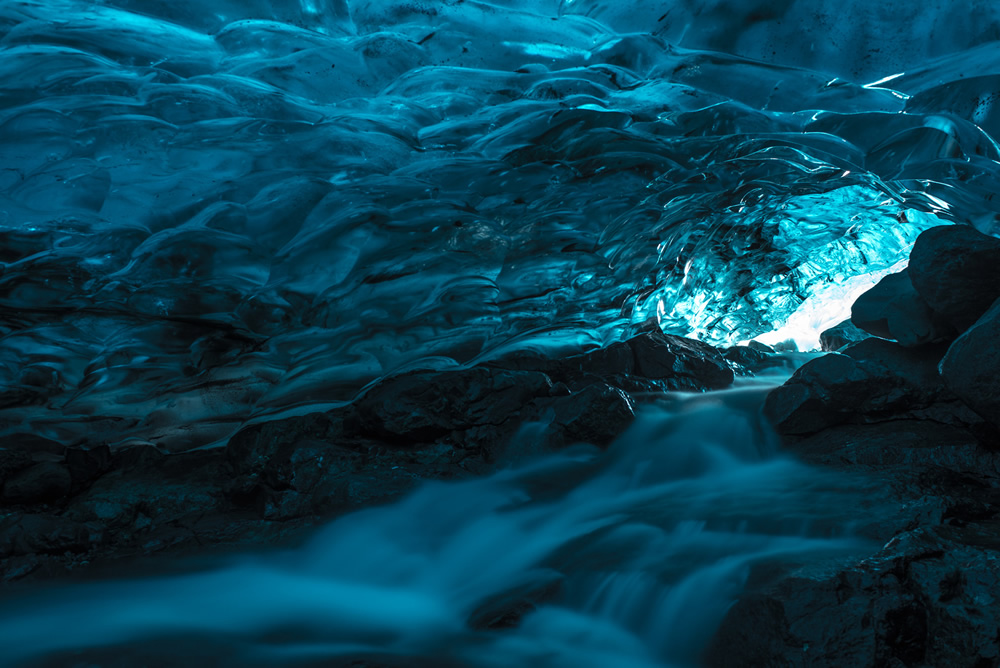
pixel 627 557
pixel 224 211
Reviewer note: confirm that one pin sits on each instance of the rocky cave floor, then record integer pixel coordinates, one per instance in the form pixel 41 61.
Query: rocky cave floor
pixel 911 399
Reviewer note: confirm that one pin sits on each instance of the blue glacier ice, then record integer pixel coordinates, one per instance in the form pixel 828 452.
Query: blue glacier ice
pixel 222 210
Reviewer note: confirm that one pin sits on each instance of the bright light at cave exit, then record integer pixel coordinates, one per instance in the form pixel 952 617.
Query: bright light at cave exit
pixel 827 306
pixel 833 246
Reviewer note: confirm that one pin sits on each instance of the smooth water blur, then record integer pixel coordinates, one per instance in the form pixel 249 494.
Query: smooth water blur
pixel 628 557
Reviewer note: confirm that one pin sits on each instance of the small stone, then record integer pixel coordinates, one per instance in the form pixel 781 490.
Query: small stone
pixel 761 347
pixel 840 336
pixel 746 357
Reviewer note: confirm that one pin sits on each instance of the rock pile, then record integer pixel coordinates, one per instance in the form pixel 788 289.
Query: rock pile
pixel 61 508
pixel 918 409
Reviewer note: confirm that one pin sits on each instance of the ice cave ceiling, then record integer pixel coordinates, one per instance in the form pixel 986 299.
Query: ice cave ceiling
pixel 211 216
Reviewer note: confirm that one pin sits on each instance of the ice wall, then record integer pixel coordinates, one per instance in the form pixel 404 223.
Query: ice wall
pixel 216 210
pixel 850 38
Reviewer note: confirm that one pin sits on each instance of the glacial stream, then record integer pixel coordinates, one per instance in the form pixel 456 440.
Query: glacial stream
pixel 627 557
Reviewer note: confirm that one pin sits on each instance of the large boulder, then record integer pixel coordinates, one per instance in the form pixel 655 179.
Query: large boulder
pixel 670 362
pixel 893 310
pixel 426 405
pixel 317 465
pixel 971 367
pixel 686 364
pixel 821 394
pixel 596 414
pixel 871 381
pixel 956 271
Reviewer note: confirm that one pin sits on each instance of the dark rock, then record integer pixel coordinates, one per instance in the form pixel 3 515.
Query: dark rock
pixel 44 482
pixel 15 568
pixel 924 600
pixel 596 414
pixel 685 364
pixel 871 381
pixel 761 347
pixel 147 489
pixel 427 405
pixel 13 461
pixel 262 453
pixel 299 466
pixel 673 362
pixel 917 367
pixel 840 336
pixel 311 479
pixel 956 270
pixel 893 310
pixel 615 359
pixel 307 466
pixel 34 534
pixel 746 357
pixel 814 397
pixel 635 386
pixel 903 443
pixel 85 464
pixel 971 367
pixel 750 361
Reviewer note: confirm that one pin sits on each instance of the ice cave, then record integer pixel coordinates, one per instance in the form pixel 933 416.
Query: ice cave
pixel 500 333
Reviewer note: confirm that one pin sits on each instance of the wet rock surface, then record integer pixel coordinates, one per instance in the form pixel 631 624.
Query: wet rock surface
pixel 841 335
pixel 871 381
pixel 651 360
pixel 971 369
pixel 894 310
pixel 925 599
pixel 956 271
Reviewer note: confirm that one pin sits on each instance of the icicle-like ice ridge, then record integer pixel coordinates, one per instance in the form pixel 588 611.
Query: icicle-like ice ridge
pixel 214 210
